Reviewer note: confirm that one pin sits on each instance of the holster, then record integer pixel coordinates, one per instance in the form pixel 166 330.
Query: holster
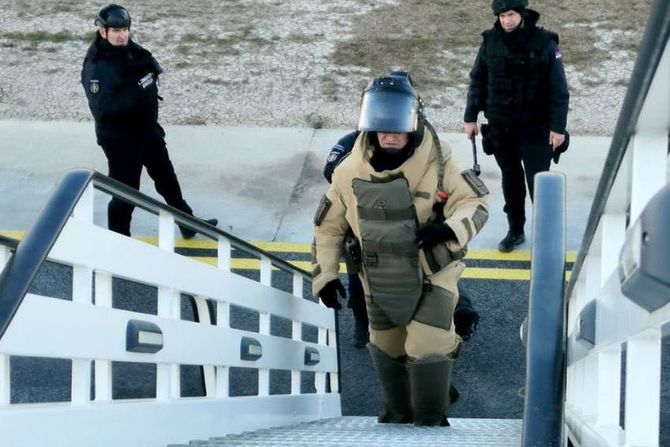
pixel 352 253
pixel 488 140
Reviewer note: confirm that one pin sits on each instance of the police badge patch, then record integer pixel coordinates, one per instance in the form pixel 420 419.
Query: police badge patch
pixel 94 86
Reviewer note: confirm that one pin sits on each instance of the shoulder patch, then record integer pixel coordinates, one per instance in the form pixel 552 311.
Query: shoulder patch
pixel 94 86
pixel 322 210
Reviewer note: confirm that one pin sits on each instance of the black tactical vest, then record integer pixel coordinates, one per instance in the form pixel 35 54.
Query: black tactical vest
pixel 518 83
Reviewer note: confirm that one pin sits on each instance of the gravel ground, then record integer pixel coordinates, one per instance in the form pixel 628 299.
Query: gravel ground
pixel 284 63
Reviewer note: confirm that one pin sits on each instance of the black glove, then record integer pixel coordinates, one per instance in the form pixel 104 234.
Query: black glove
pixel 329 294
pixel 432 234
pixel 562 148
pixel 466 318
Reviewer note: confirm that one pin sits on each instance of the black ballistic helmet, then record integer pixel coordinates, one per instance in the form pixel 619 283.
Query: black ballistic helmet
pixel 113 16
pixel 390 104
pixel 499 6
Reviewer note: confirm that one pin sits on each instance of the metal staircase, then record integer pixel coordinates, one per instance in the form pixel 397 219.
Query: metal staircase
pixel 594 354
pixel 362 431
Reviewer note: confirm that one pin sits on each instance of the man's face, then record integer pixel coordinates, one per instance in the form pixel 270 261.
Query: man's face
pixel 392 140
pixel 509 20
pixel 117 37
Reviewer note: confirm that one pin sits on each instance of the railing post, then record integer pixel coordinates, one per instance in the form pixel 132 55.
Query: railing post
pixel 223 316
pixel 5 254
pixel 4 380
pixel 545 358
pixel 320 377
pixel 103 368
pixel 264 326
pixel 223 254
pixel 81 381
pixel 608 395
pixel 207 370
pixel 643 388
pixel 5 384
pixel 168 379
pixel 166 231
pixel 84 210
pixel 296 332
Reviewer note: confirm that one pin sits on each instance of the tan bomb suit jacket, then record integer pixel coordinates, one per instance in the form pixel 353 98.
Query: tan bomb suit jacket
pixel 465 211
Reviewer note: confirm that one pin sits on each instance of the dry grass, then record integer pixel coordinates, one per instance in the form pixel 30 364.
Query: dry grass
pixel 430 37
pixel 434 39
pixel 308 56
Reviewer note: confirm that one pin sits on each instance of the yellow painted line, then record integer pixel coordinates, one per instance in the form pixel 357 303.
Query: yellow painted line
pixel 13 234
pixel 300 247
pixel 291 247
pixel 503 274
pixel 255 264
pixel 280 247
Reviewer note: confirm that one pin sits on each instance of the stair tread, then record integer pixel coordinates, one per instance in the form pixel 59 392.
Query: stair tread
pixel 363 431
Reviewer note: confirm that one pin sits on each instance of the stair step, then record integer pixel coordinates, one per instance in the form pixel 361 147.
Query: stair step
pixel 362 431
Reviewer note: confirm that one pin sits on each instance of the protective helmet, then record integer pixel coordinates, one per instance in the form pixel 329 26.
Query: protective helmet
pixel 499 6
pixel 390 104
pixel 113 16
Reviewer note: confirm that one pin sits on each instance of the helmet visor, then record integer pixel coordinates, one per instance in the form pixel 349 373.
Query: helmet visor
pixel 388 111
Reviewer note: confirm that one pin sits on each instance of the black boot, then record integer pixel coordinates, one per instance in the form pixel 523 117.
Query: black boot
pixel 430 382
pixel 510 241
pixel 392 373
pixel 188 233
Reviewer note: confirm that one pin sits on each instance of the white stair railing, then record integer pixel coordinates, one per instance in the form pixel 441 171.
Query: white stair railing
pixel 92 335
pixel 614 345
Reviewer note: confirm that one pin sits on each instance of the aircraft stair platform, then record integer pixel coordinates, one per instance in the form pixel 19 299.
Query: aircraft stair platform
pixel 360 431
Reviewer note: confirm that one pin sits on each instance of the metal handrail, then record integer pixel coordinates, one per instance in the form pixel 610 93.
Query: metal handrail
pixel 651 50
pixel 33 250
pixel 545 358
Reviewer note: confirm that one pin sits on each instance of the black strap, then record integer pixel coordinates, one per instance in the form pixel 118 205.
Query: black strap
pixel 390 248
pixel 386 214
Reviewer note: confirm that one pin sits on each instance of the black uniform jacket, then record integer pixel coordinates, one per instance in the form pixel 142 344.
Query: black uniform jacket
pixel 120 84
pixel 518 78
pixel 341 149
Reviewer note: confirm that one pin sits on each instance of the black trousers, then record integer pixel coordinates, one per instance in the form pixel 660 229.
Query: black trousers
pixel 356 301
pixel 520 154
pixel 126 155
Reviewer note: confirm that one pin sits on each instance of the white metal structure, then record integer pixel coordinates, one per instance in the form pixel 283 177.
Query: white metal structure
pixel 613 345
pixel 618 364
pixel 92 334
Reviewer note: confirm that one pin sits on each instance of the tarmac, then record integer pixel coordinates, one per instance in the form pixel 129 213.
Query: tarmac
pixel 263 184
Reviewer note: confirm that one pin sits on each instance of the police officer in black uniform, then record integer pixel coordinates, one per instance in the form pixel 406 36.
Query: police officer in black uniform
pixel 120 80
pixel 356 300
pixel 519 82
